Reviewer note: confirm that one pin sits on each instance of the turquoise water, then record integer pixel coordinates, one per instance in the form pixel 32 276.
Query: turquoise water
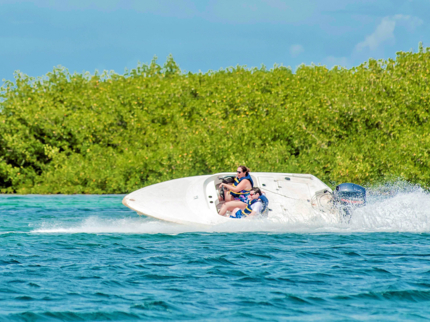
pixel 88 258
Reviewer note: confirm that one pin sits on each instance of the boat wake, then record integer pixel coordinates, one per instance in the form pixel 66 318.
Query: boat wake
pixel 394 209
pixel 389 209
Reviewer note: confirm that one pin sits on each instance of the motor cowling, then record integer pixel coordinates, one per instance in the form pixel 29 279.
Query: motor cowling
pixel 350 194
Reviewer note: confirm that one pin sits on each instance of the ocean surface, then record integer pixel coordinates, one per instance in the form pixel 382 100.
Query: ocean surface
pixel 89 258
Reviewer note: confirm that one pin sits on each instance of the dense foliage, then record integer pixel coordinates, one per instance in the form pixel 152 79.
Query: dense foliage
pixel 110 133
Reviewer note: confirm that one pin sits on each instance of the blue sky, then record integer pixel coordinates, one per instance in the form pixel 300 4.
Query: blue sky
pixel 85 35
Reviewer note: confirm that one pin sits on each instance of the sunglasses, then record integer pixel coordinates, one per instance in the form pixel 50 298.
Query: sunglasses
pixel 239 171
pixel 252 194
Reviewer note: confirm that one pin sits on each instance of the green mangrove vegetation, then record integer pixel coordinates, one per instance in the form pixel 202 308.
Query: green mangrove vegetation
pixel 111 133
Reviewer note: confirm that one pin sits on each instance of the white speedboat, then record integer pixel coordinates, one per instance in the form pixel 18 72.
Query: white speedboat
pixel 196 199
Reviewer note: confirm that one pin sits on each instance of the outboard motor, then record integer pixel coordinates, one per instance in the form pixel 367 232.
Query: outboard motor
pixel 348 196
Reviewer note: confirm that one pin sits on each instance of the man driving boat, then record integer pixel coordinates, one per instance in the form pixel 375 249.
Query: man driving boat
pixel 237 196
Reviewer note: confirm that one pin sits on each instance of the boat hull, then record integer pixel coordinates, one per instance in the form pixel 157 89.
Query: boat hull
pixel 195 199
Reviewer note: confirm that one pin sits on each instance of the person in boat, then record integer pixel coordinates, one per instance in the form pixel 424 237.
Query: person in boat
pixel 240 188
pixel 255 205
pixel 238 192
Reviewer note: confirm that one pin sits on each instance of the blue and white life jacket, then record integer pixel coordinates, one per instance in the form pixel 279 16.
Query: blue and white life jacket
pixel 248 210
pixel 242 192
pixel 264 210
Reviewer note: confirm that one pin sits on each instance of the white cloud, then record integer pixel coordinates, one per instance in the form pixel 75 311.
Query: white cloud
pixel 384 32
pixel 296 50
pixel 410 22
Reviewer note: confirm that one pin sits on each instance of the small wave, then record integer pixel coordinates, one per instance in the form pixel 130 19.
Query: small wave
pixel 71 316
pixel 399 295
pixel 155 306
pixel 9 262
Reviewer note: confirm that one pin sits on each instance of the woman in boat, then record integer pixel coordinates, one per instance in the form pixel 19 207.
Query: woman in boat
pixel 255 206
pixel 237 196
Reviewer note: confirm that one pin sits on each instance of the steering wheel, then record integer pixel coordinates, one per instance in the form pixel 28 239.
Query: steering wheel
pixel 221 192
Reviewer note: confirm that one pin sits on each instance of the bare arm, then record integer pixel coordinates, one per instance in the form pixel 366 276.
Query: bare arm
pixel 241 186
